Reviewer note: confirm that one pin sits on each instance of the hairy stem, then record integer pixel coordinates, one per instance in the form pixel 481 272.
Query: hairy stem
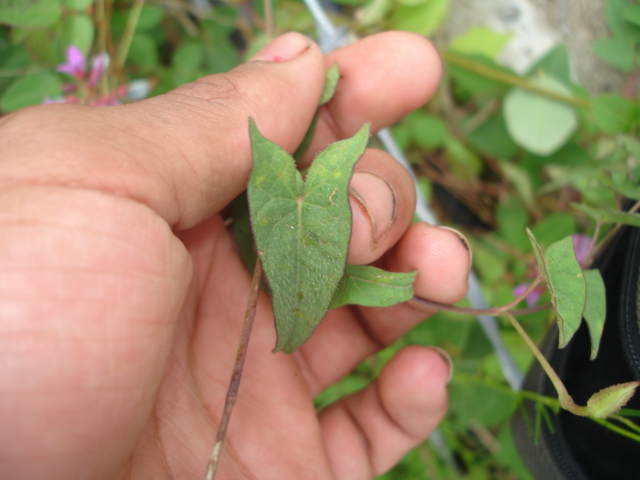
pixel 234 383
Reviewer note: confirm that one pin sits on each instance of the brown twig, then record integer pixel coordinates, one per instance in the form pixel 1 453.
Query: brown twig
pixel 234 383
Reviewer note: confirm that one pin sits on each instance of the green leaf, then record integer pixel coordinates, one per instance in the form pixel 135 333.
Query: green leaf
pixel 30 90
pixel 595 309
pixel 372 287
pixel 618 24
pixel 607 215
pixel 143 52
pixel 330 84
pixel 609 400
pixel 614 114
pixel 481 41
pixel 631 13
pixel 564 277
pixel 302 230
pixel 539 124
pixel 150 17
pixel 616 52
pixel 30 13
pixel 423 19
pixel 555 63
pixel 492 138
pixel 622 184
pixel 77 4
pixel 427 131
pixel 78 30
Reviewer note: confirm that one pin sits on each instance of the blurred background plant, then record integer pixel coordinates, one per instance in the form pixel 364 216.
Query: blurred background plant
pixel 508 143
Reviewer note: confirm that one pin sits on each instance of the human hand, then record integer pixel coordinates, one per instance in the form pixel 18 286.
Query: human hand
pixel 122 293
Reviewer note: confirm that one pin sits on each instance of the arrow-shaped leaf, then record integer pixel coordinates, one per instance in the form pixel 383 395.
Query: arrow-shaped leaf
pixel 302 229
pixel 562 272
pixel 372 287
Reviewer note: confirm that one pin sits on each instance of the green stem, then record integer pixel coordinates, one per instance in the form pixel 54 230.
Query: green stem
pixel 511 79
pixel 563 395
pixel 268 19
pixel 129 30
pixel 101 37
pixel 617 429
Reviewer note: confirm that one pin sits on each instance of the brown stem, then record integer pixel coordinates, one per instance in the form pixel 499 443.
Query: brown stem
pixel 234 383
pixel 424 303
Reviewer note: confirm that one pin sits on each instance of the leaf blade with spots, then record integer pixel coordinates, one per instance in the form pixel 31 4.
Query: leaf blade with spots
pixel 302 230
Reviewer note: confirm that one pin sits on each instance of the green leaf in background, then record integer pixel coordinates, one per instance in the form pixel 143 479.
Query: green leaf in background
pixel 30 90
pixel 561 270
pixel 595 309
pixel 492 138
pixel 80 5
pixel 521 180
pixel 610 400
pixel 623 185
pixel 631 13
pixel 618 23
pixel 464 162
pixel 143 52
pixel 423 18
pixel 302 230
pixel 78 30
pixel 554 227
pixel 554 63
pixel 150 17
pixel 481 41
pixel 616 52
pixel 31 14
pixel 607 215
pixel 426 131
pixel 373 287
pixel 539 124
pixel 614 114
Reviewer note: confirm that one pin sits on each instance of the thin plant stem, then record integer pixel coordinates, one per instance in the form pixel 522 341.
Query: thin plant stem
pixel 511 79
pixel 129 30
pixel 268 19
pixel 563 395
pixel 424 303
pixel 101 40
pixel 234 383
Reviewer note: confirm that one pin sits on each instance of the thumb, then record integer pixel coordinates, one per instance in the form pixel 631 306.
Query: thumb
pixel 185 154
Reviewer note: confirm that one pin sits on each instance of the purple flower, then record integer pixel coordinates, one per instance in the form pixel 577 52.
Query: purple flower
pixel 532 298
pixel 75 63
pixel 581 245
pixel 99 65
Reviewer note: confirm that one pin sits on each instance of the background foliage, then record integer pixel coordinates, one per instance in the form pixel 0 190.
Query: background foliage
pixel 496 152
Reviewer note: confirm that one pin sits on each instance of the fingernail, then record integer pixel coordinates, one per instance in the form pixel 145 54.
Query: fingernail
pixel 446 357
pixel 376 199
pixel 285 47
pixel 464 241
